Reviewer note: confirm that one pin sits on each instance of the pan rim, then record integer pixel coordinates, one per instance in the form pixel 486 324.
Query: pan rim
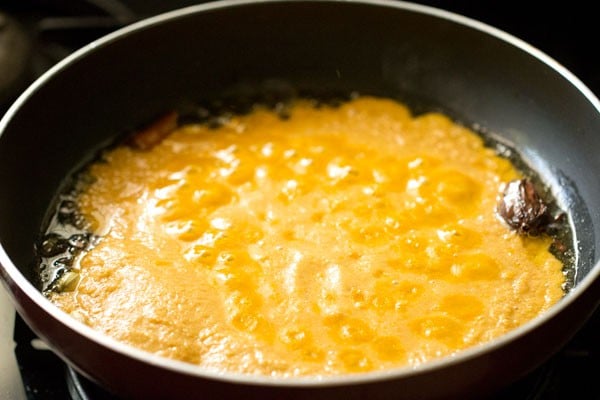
pixel 15 277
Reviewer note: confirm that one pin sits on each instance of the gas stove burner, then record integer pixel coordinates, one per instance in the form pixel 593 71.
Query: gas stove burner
pixel 80 388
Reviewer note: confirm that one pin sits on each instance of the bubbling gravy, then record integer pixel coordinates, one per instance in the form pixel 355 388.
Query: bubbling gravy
pixel 336 240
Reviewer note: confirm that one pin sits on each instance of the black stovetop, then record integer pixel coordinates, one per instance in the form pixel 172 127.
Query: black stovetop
pixel 51 29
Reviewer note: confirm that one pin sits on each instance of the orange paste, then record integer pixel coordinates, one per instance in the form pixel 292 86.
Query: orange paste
pixel 340 240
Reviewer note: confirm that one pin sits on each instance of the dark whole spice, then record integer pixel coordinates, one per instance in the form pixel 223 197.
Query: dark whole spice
pixel 53 245
pixel 523 209
pixel 148 137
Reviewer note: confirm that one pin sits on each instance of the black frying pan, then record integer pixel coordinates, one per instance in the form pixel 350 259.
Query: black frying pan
pixel 427 58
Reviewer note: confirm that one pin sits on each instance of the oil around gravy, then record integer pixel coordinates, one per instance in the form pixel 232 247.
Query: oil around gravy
pixel 309 240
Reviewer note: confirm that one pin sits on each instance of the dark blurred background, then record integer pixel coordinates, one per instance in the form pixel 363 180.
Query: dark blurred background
pixel 35 34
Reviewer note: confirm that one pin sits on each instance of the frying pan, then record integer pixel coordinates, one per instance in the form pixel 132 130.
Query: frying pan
pixel 430 59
